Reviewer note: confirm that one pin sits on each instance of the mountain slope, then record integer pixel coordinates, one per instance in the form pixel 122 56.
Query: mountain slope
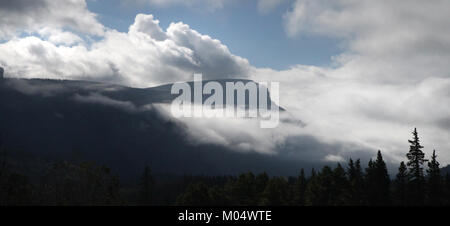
pixel 78 120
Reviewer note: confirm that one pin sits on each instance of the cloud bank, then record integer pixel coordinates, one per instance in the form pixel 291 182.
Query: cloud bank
pixel 392 75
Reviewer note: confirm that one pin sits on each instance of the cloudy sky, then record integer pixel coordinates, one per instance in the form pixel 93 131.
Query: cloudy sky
pixel 358 74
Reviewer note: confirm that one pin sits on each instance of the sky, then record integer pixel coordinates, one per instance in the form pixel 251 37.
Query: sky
pixel 359 74
pixel 246 29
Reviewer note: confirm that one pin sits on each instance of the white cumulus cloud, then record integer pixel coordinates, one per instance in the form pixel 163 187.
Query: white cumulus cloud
pixel 32 15
pixel 144 56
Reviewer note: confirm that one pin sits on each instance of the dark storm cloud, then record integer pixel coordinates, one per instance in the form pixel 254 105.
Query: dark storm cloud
pixel 23 6
pixel 310 149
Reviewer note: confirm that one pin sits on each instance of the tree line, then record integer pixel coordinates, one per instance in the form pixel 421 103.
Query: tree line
pixel 419 181
pixel 343 185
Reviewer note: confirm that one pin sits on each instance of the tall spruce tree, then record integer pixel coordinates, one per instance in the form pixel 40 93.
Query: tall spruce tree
pixel 299 189
pixel 196 194
pixel 351 171
pixel 378 182
pixel 275 193
pixel 416 179
pixel 356 183
pixel 339 187
pixel 434 181
pixel 261 183
pixel 245 189
pixel 368 180
pixel 360 179
pixel 319 188
pixel 447 189
pixel 146 187
pixel 401 183
pixel 313 172
pixel 311 191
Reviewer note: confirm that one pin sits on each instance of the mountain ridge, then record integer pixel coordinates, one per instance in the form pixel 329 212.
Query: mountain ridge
pixel 44 117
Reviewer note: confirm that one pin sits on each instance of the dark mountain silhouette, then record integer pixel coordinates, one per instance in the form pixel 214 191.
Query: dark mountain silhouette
pixel 79 120
pixel 445 170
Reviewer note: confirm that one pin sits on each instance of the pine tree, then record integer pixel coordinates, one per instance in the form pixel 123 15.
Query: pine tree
pixel 384 180
pixel 416 179
pixel 447 189
pixel 434 182
pixel 319 191
pixel 311 191
pixel 378 182
pixel 369 182
pixel 261 183
pixel 401 183
pixel 196 194
pixel 245 189
pixel 276 192
pixel 218 197
pixel 356 183
pixel 340 186
pixel 351 169
pixel 299 189
pixel 313 172
pixel 146 187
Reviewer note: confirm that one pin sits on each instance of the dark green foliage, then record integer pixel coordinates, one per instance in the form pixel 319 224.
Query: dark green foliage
pixel 416 180
pixel 218 196
pixel 356 183
pixel 320 189
pixel 312 190
pixel 79 184
pixel 328 187
pixel 275 193
pixel 15 190
pixel 245 189
pixel 146 187
pixel 446 189
pixel 68 183
pixel 400 185
pixel 299 189
pixel 434 181
pixel 378 182
pixel 313 172
pixel 340 187
pixel 261 182
pixel 196 194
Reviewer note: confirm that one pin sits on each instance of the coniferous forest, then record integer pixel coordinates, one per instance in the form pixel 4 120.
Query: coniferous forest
pixel 419 181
